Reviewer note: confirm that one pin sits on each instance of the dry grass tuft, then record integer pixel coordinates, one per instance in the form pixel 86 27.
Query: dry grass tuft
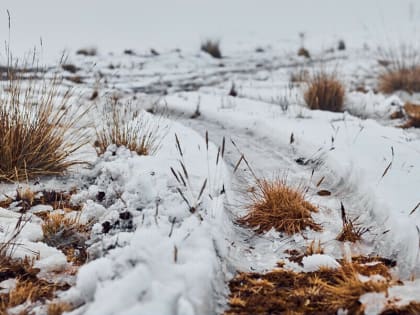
pixel 28 286
pixel 400 69
pixel 58 308
pixel 37 130
pixel 128 128
pixel 351 231
pixel 276 205
pixel 325 92
pixel 87 52
pixel 303 52
pixel 68 235
pixel 400 80
pixel 413 114
pixel 413 308
pixel 212 47
pixel 285 292
pixel 29 291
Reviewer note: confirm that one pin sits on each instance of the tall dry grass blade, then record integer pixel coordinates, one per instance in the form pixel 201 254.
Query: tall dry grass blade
pixel 38 129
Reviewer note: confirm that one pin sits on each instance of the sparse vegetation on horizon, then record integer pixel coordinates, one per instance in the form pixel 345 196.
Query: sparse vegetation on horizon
pixel 400 69
pixel 212 47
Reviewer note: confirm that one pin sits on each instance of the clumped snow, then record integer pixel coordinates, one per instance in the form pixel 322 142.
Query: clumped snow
pixel 316 261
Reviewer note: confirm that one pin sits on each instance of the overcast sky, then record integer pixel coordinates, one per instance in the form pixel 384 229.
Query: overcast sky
pixel 141 24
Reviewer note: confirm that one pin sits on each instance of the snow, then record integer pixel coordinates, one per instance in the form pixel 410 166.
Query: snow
pixel 314 262
pixel 156 264
pixel 163 24
pixel 171 256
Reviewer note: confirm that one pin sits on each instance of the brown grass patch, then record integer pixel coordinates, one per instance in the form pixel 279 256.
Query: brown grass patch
pixel 126 127
pixel 400 69
pixel 29 290
pixel 276 205
pixel 413 308
pixel 37 130
pixel 321 292
pixel 413 114
pixel 68 235
pixel 28 286
pixel 325 92
pixel 58 308
pixel 400 80
pixel 212 47
pixel 26 198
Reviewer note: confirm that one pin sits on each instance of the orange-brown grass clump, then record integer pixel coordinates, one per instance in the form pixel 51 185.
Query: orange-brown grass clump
pixel 413 114
pixel 325 92
pixel 321 292
pixel 413 308
pixel 276 205
pixel 29 290
pixel 58 308
pixel 68 235
pixel 28 286
pixel 400 69
pixel 212 47
pixel 37 129
pixel 128 128
pixel 351 231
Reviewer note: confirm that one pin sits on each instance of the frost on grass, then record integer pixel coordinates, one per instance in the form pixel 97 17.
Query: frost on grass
pixel 124 126
pixel 148 247
pixel 274 205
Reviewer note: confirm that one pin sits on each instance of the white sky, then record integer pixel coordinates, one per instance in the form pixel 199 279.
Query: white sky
pixel 140 24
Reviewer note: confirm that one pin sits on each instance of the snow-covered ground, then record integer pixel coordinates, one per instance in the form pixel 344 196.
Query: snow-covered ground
pixel 154 250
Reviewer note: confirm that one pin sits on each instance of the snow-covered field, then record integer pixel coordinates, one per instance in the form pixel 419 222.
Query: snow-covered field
pixel 163 236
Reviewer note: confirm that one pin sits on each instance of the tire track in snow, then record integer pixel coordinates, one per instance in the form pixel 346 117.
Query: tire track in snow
pixel 251 252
